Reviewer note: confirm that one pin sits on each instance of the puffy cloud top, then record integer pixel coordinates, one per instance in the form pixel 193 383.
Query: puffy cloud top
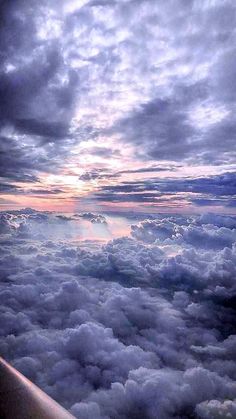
pixel 142 326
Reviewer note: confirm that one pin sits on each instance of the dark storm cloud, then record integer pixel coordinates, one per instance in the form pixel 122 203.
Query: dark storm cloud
pixel 126 330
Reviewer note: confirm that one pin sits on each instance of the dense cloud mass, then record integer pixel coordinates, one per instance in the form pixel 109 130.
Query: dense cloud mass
pixel 120 105
pixel 142 326
pixel 133 73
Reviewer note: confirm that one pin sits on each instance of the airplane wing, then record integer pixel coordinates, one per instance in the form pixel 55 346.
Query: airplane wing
pixel 21 399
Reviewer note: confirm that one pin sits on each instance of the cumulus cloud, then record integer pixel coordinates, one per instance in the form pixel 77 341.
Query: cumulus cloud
pixel 142 326
pixel 100 219
pixel 166 231
pixel 217 409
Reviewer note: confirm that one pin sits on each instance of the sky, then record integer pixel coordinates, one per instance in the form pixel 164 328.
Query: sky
pixel 118 105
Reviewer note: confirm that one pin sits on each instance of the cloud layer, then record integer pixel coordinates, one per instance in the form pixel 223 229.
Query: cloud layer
pixel 85 89
pixel 140 327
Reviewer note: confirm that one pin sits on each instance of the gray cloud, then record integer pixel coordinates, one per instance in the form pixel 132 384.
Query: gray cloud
pixel 105 174
pixel 142 325
pixel 37 90
pixel 164 126
pixel 160 129
pixel 209 190
pixel 138 327
pixel 56 58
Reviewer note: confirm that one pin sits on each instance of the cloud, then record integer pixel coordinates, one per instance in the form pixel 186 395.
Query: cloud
pixel 189 115
pixel 103 174
pixel 162 127
pixel 204 236
pixel 149 169
pixel 38 88
pixel 139 326
pixel 72 73
pixel 216 409
pixel 142 325
pixel 97 174
pixel 218 220
pixel 171 391
pixel 209 190
pixel 218 185
pixel 26 77
pixel 94 218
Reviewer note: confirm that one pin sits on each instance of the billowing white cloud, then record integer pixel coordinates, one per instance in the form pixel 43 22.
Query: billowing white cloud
pixel 132 328
pixel 216 409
